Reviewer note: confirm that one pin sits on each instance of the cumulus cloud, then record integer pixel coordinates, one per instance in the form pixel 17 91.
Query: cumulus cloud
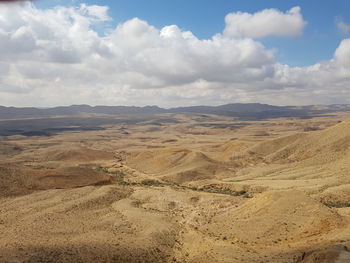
pixel 268 22
pixel 100 13
pixel 173 56
pixel 343 27
pixel 342 53
pixel 55 57
pixel 326 81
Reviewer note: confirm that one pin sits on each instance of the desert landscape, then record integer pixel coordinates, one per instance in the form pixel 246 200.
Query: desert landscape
pixel 180 186
pixel 174 131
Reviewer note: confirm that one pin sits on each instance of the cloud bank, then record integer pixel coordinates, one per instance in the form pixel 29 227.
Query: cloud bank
pixel 55 57
pixel 268 22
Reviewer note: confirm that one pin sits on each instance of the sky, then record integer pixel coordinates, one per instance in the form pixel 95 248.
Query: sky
pixel 174 53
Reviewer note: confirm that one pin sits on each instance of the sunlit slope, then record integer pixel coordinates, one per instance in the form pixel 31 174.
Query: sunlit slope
pixel 318 162
pixel 313 155
pixel 316 147
pixel 85 224
pixel 276 217
pixel 177 164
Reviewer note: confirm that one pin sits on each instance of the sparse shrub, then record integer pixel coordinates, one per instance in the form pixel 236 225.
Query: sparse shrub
pixel 306 129
pixel 101 169
pixel 262 133
pixel 337 204
pixel 227 191
pixel 120 178
pixel 136 203
pixel 150 182
pixel 247 196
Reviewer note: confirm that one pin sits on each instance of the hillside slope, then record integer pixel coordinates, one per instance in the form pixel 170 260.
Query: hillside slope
pixel 177 164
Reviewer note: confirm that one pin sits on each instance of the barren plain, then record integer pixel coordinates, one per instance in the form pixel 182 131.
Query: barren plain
pixel 190 188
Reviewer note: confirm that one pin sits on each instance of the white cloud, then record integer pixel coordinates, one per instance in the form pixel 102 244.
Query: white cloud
pixel 342 53
pixel 343 27
pixel 173 56
pixel 55 57
pixel 98 12
pixel 268 22
pixel 325 81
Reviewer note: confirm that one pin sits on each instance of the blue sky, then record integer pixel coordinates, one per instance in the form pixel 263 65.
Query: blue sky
pixel 205 18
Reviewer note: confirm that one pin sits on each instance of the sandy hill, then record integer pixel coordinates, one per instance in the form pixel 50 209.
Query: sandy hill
pixel 292 217
pixel 7 149
pixel 314 155
pixel 317 162
pixel 231 150
pixel 88 224
pixel 19 181
pixel 317 147
pixel 76 154
pixel 68 177
pixel 176 164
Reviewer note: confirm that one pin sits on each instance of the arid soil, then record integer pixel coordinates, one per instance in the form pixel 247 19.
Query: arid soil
pixel 192 189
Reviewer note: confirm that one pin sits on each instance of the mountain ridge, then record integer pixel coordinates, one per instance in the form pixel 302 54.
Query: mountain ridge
pixel 242 110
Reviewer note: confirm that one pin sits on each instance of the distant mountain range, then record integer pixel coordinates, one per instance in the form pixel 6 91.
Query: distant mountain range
pixel 241 110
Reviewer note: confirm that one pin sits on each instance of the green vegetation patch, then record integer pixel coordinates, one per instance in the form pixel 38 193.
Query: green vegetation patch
pixel 226 191
pixel 337 204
